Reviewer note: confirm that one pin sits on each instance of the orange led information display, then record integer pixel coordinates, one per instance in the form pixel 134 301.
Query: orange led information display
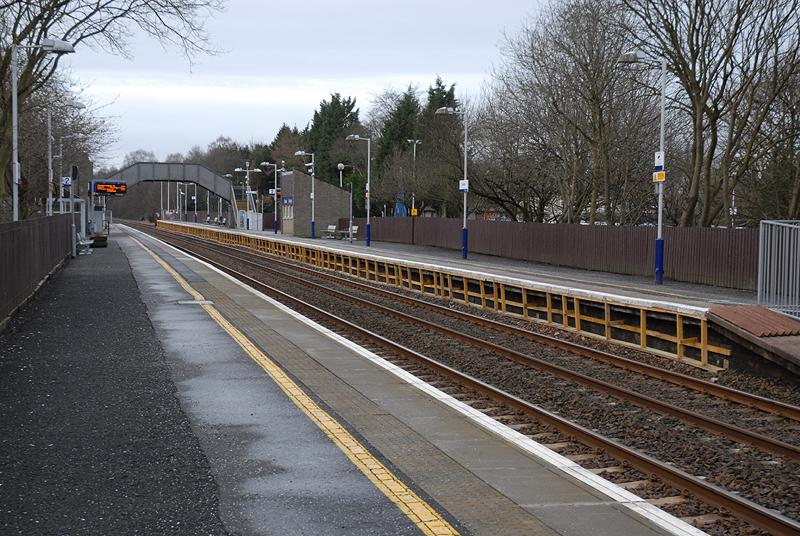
pixel 109 188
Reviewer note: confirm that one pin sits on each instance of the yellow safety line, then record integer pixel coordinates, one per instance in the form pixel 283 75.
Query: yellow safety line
pixel 417 510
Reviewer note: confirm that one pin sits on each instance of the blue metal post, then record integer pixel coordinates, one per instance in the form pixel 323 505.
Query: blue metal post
pixel 659 261
pixel 369 233
pixel 464 243
pixel 313 229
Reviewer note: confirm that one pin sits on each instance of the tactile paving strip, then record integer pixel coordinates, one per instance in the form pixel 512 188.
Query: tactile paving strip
pixel 476 505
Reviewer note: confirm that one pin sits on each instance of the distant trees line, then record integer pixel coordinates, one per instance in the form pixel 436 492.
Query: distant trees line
pixel 563 132
pixel 82 134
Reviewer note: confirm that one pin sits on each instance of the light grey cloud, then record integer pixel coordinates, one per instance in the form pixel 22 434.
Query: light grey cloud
pixel 282 58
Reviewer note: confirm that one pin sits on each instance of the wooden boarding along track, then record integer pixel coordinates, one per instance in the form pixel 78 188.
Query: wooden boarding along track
pixel 666 329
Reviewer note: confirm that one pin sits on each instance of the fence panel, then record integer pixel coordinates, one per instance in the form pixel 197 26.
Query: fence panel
pixel 721 257
pixel 779 266
pixel 29 250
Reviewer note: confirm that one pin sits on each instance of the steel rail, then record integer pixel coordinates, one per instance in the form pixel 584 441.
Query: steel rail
pixel 715 426
pixel 744 509
pixel 712 425
pixel 727 393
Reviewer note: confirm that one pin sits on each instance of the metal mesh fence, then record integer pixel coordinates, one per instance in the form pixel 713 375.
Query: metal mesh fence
pixel 779 266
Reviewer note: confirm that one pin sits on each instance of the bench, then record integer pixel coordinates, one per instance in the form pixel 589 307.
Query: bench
pixel 330 232
pixel 345 234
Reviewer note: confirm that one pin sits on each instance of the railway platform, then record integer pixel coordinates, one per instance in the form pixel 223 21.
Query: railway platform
pixel 263 422
pixel 682 321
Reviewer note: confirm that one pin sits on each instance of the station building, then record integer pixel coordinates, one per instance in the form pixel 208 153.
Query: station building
pixel 332 203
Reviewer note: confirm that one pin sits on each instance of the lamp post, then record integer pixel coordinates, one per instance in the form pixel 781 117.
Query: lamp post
pixel 464 184
pixel 356 137
pixel 274 194
pixel 313 171
pixel 414 144
pixel 341 167
pixel 251 204
pixel 55 46
pixel 659 175
pixel 77 106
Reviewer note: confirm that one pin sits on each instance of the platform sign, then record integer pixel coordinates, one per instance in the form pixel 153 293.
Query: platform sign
pixel 66 182
pixel 659 176
pixel 415 211
pixel 288 201
pixel 109 187
pixel 463 185
pixel 659 161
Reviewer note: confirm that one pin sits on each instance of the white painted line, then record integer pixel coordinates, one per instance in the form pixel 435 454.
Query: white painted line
pixel 537 450
pixel 594 295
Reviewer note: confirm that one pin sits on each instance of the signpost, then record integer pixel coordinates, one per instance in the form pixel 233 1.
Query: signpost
pixel 463 186
pixel 659 176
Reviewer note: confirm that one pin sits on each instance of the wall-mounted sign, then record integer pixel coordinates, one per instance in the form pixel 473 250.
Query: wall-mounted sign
pixel 109 187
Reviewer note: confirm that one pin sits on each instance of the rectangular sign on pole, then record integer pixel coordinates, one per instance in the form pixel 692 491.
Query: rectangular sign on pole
pixel 463 185
pixel 659 161
pixel 659 176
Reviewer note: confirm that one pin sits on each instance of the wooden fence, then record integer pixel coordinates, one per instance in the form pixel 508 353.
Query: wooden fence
pixel 720 257
pixel 29 251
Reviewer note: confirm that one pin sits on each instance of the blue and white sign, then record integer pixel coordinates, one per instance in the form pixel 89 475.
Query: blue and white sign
pixel 659 161
pixel 463 185
pixel 66 182
pixel 287 200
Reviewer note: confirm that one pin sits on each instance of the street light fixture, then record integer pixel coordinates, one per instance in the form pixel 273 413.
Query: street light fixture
pixel 637 56
pixel 274 193
pixel 251 204
pixel 340 166
pixel 313 180
pixel 414 144
pixel 72 104
pixel 54 46
pixel 356 137
pixel 463 184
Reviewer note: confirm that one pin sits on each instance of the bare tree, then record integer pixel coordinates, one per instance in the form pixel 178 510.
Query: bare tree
pixel 731 61
pixel 104 24
pixel 570 122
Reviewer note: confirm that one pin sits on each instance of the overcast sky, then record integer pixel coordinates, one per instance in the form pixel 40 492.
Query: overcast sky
pixel 282 57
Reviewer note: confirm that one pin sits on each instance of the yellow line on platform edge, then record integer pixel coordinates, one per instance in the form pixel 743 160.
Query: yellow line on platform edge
pixel 417 510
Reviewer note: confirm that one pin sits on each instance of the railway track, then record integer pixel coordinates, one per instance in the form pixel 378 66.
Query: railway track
pixel 514 407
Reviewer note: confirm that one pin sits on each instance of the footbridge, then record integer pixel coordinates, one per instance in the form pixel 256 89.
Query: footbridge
pixel 173 172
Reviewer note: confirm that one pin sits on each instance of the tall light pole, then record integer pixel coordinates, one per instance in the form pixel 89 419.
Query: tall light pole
pixel 54 46
pixel 463 184
pixel 77 106
pixel 414 144
pixel 49 211
pixel 356 137
pixel 313 180
pixel 248 192
pixel 274 194
pixel 659 175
